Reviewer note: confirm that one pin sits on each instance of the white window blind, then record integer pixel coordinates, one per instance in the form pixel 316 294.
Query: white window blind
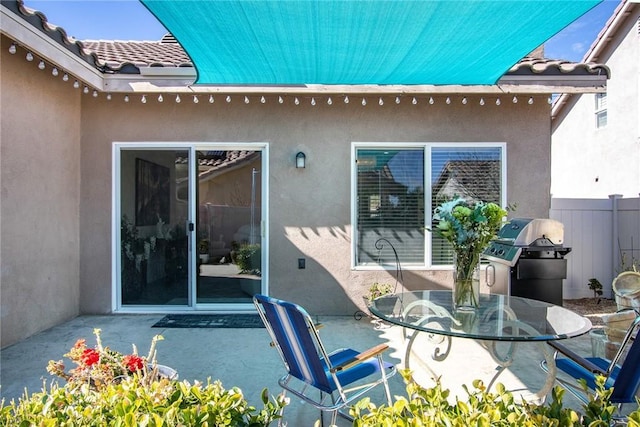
pixel 390 197
pixel 390 205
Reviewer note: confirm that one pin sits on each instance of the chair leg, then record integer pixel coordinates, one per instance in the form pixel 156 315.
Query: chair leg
pixel 321 411
pixel 384 380
pixel 334 416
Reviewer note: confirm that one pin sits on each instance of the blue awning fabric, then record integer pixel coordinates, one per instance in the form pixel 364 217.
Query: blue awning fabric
pixel 361 42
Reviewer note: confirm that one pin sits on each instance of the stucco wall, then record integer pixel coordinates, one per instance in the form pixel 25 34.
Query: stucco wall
pixel 39 217
pixel 309 208
pixel 594 163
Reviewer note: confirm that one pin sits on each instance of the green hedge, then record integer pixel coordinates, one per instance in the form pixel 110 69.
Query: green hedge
pixel 163 402
pixel 132 403
pixel 431 407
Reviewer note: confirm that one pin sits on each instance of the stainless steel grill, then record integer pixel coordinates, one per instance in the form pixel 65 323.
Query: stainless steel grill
pixel 527 260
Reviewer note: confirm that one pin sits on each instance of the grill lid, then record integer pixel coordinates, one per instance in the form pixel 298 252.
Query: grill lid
pixel 533 235
pixel 524 232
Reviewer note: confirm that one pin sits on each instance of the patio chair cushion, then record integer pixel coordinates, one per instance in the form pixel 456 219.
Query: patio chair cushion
pixel 349 376
pixel 577 371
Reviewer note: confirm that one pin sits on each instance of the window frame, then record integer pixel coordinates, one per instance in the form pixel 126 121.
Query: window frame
pixel 600 110
pixel 428 214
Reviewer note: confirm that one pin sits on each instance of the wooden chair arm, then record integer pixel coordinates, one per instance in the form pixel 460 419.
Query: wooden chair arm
pixel 360 357
pixel 588 365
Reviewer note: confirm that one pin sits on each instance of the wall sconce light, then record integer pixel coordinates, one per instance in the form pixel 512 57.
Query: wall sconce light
pixel 300 160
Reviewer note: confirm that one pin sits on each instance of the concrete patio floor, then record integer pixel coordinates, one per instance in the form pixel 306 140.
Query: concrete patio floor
pixel 243 357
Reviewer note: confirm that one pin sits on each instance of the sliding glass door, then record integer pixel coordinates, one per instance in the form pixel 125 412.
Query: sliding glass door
pixel 154 227
pixel 191 226
pixel 229 218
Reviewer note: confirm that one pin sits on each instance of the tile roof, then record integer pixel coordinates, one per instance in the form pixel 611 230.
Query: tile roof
pixel 117 55
pixel 543 66
pixel 127 57
pixel 476 179
pixel 215 162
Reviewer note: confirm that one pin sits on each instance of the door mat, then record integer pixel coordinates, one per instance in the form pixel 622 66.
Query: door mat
pixel 210 321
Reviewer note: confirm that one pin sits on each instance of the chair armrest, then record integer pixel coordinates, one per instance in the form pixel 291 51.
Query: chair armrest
pixel 360 357
pixel 591 367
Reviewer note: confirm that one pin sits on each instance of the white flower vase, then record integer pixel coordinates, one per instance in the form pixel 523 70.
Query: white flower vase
pixel 466 281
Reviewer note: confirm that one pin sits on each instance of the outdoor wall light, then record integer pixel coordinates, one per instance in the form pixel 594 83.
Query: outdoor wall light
pixel 300 160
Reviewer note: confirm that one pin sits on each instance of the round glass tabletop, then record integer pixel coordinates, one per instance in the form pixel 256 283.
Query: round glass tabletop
pixel 498 318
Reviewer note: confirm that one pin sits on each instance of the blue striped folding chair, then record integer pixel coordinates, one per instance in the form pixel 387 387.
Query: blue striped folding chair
pixel 623 377
pixel 341 376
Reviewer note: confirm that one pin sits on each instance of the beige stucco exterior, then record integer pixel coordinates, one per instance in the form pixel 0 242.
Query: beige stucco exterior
pixel 309 209
pixel 40 144
pixel 595 163
pixel 57 166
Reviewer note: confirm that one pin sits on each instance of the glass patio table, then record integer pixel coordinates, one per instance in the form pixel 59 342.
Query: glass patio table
pixel 498 319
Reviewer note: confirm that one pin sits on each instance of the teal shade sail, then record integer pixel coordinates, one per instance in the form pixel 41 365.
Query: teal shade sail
pixel 408 42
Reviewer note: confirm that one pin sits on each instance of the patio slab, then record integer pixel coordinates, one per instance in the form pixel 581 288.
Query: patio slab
pixel 243 357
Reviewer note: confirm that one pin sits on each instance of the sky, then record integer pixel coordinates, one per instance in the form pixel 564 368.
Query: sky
pixel 130 20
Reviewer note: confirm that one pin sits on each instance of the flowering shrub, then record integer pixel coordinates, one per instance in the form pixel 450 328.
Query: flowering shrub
pixel 100 365
pixel 130 403
pixel 107 388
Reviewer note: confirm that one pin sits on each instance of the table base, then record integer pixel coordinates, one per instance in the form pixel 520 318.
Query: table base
pixel 442 346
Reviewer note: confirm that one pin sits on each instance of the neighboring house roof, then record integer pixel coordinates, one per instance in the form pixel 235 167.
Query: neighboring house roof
pixel 461 178
pixel 608 33
pixel 215 163
pixel 150 59
pixel 544 66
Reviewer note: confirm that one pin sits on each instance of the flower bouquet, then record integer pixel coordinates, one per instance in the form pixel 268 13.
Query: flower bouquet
pixel 468 227
pixel 100 366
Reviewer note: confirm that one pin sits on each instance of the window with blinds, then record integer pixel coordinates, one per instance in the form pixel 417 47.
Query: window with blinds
pixel 390 197
pixel 390 205
pixel 601 110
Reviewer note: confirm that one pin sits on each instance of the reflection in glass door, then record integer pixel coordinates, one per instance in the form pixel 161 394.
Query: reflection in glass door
pixel 228 226
pixel 154 221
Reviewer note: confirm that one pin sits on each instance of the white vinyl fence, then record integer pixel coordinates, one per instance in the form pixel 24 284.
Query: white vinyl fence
pixel 604 235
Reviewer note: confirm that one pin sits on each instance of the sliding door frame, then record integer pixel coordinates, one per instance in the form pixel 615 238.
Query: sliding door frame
pixel 192 147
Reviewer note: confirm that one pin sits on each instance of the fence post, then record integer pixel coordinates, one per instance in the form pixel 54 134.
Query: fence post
pixel 615 259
